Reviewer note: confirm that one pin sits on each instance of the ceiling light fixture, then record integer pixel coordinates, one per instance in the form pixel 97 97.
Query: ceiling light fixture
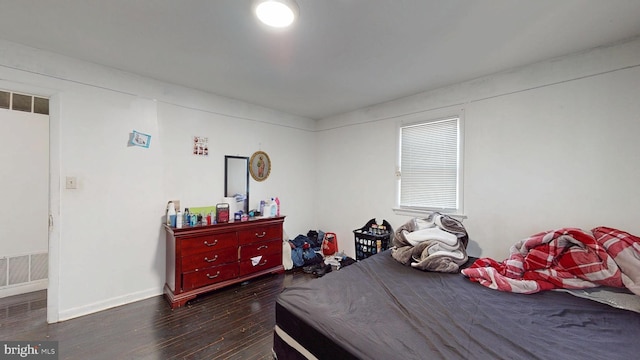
pixel 276 13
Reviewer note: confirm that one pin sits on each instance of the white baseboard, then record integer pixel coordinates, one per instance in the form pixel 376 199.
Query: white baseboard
pixel 108 303
pixel 23 288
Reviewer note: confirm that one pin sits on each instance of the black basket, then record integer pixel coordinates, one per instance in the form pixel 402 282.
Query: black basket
pixel 372 239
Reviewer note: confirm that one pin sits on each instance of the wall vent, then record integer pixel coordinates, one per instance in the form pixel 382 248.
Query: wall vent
pixel 3 272
pixel 39 266
pixel 21 270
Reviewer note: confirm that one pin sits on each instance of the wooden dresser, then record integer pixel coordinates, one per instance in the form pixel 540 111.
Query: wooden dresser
pixel 206 258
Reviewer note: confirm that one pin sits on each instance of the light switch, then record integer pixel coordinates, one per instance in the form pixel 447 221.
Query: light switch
pixel 72 182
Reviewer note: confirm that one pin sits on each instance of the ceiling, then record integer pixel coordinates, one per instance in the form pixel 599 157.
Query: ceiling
pixel 340 55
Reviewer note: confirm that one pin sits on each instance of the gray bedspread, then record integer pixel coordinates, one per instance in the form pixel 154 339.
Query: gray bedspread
pixel 380 309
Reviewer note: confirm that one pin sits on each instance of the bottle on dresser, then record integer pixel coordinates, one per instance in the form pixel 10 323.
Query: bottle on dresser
pixel 186 220
pixel 171 214
pixel 179 219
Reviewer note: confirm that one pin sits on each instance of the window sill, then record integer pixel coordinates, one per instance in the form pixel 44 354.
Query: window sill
pixel 424 213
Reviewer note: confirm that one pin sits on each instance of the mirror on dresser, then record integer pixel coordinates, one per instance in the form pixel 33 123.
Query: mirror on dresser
pixel 236 179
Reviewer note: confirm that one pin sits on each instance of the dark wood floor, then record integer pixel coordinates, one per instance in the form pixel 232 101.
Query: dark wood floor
pixel 232 323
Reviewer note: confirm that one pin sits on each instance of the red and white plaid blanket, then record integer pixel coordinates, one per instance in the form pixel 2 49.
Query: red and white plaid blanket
pixel 567 258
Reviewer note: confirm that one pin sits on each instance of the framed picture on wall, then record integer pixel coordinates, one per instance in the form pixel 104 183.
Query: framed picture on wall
pixel 260 166
pixel 200 146
pixel 139 139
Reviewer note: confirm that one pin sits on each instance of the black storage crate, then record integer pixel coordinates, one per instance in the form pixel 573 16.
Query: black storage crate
pixel 372 238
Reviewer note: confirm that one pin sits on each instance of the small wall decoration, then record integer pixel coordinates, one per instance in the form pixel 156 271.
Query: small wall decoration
pixel 200 146
pixel 139 139
pixel 260 166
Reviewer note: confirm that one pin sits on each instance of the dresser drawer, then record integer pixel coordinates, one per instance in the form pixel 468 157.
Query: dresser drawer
pixel 260 233
pixel 200 244
pixel 265 262
pixel 195 279
pixel 209 258
pixel 261 248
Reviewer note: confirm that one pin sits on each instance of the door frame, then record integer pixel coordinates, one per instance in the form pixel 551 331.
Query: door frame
pixel 53 288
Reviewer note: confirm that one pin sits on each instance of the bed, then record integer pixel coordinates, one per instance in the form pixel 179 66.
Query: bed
pixel 381 309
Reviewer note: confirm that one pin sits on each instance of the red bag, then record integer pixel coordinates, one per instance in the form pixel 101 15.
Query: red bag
pixel 329 244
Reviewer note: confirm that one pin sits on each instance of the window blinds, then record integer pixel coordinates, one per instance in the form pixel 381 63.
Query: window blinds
pixel 429 165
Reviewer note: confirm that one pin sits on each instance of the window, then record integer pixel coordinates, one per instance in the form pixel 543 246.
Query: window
pixel 429 171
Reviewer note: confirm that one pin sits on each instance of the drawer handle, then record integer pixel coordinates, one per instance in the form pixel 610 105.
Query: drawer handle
pixel 262 263
pixel 262 247
pixel 261 235
pixel 211 260
pixel 213 276
pixel 215 242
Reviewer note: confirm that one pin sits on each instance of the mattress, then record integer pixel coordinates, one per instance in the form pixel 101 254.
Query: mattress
pixel 381 309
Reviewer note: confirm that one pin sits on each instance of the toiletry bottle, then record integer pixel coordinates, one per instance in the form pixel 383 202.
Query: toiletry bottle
pixel 171 214
pixel 167 219
pixel 179 219
pixel 277 206
pixel 273 208
pixel 187 217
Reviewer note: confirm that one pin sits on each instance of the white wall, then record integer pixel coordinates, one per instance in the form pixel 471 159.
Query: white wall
pixel 110 235
pixel 107 245
pixel 559 156
pixel 199 181
pixel 24 180
pixel 553 144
